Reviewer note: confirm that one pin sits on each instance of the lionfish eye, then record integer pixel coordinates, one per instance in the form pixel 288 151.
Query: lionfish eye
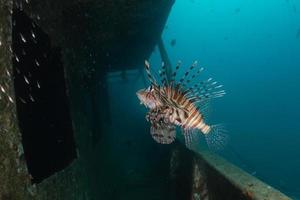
pixel 148 89
pixel 152 88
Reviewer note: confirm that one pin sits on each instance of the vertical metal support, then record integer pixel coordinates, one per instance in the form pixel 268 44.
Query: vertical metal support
pixel 165 58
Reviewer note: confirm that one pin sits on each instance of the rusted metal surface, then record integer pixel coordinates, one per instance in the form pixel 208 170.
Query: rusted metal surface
pixel 210 177
pixel 118 34
pixel 230 182
pixel 15 180
pixel 91 35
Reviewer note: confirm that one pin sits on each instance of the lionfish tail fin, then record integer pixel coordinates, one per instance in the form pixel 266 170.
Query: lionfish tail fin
pixel 217 137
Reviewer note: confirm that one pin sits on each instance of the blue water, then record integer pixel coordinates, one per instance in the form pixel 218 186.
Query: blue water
pixel 252 47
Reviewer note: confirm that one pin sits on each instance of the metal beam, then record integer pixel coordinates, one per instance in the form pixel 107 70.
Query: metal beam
pixel 206 175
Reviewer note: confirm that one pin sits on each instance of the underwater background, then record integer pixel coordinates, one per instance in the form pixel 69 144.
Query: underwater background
pixel 252 47
pixel 73 127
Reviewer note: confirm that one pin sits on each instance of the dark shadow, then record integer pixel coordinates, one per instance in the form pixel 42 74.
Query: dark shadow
pixel 181 183
pixel 42 103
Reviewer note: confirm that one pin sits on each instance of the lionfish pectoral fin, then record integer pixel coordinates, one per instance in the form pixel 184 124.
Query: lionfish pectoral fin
pixel 206 90
pixel 217 137
pixel 163 134
pixel 205 109
pixel 190 137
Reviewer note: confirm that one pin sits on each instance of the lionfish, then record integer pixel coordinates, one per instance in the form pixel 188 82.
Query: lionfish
pixel 172 104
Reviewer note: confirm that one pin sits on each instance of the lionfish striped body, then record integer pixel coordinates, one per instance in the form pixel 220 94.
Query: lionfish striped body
pixel 174 104
pixel 185 114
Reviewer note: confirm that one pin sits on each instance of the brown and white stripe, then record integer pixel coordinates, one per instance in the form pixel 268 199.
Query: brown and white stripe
pixel 185 113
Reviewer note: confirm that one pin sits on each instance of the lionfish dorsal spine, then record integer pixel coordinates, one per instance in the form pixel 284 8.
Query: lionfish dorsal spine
pixel 195 74
pixel 173 78
pixel 187 73
pixel 149 75
pixel 163 75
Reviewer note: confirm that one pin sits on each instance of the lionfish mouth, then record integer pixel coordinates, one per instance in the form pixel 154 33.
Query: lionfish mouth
pixel 139 95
